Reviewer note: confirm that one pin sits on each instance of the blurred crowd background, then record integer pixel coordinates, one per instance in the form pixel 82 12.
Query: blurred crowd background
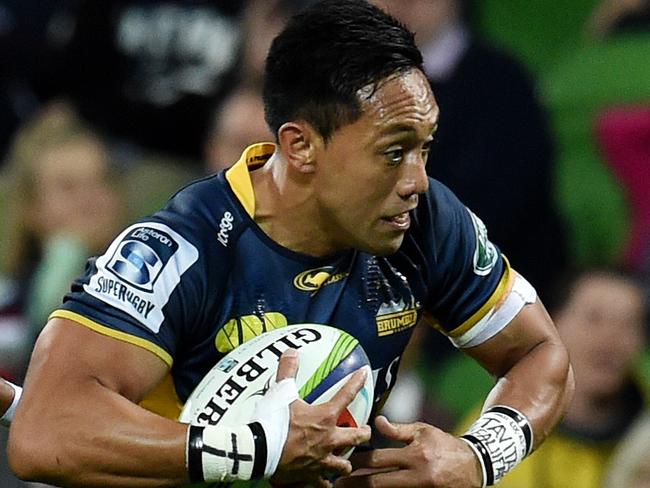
pixel 108 107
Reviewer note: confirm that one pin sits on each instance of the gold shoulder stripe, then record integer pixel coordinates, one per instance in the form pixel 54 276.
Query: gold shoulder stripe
pixel 502 289
pixel 116 334
pixel 239 177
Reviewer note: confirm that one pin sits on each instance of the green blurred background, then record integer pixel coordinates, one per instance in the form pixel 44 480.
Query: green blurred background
pixel 577 77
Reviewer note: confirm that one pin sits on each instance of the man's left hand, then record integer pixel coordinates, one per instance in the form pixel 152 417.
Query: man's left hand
pixel 431 458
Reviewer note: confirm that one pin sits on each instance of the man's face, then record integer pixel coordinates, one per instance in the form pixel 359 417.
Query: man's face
pixel 602 327
pixel 369 174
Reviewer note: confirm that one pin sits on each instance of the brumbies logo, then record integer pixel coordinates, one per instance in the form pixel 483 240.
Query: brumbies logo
pixel 136 261
pixel 141 269
pixel 394 317
pixel 313 279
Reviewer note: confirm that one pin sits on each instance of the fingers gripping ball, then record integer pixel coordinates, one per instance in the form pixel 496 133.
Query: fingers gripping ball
pixel 235 388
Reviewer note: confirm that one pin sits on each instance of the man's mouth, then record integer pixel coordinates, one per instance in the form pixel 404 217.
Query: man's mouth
pixel 400 221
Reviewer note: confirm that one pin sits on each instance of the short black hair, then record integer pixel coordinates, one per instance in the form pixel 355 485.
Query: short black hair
pixel 325 54
pixel 567 283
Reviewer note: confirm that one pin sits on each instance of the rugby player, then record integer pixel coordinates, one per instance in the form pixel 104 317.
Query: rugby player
pixel 336 223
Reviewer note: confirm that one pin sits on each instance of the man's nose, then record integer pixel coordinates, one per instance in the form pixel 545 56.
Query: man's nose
pixel 414 179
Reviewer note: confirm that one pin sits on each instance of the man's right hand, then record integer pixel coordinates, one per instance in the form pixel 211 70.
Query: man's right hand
pixel 314 437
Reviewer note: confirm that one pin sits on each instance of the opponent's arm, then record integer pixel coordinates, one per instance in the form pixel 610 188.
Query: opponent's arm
pixel 9 397
pixel 6 396
pixel 78 423
pixel 534 377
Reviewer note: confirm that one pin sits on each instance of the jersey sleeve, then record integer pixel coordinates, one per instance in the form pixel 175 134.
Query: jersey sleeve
pixel 150 286
pixel 468 276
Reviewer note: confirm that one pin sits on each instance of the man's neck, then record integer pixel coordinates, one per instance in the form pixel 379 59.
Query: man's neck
pixel 285 209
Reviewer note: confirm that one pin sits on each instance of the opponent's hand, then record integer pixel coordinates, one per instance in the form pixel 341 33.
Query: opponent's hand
pixel 314 437
pixel 431 458
pixel 6 396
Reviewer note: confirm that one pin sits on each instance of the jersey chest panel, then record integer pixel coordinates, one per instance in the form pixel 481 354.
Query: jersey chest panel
pixel 361 294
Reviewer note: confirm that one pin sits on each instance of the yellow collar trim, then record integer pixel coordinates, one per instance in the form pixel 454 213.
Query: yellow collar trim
pixel 239 174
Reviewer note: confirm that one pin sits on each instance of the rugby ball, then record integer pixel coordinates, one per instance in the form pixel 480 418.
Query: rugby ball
pixel 328 357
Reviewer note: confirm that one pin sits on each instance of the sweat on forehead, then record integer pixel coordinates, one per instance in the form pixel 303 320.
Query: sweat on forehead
pixel 409 81
pixel 401 94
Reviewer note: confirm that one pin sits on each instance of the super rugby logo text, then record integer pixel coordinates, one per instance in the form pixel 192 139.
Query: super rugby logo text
pixel 109 287
pixel 140 269
pixel 249 371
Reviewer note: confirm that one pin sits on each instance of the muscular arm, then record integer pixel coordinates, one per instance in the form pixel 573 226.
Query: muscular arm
pixel 532 367
pixel 534 376
pixel 78 423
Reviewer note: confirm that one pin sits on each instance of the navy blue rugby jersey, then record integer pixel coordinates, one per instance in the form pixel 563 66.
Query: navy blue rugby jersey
pixel 196 279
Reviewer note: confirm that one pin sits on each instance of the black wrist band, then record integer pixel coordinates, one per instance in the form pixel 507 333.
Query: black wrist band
pixel 485 455
pixel 259 436
pixel 521 421
pixel 195 453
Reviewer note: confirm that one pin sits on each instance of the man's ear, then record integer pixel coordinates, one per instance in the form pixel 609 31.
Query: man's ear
pixel 299 143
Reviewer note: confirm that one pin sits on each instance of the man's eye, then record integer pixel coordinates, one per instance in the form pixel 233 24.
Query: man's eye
pixel 394 156
pixel 426 148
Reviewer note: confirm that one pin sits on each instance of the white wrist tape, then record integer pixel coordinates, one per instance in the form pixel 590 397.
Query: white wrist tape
pixel 9 414
pixel 274 415
pixel 501 438
pixel 226 453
